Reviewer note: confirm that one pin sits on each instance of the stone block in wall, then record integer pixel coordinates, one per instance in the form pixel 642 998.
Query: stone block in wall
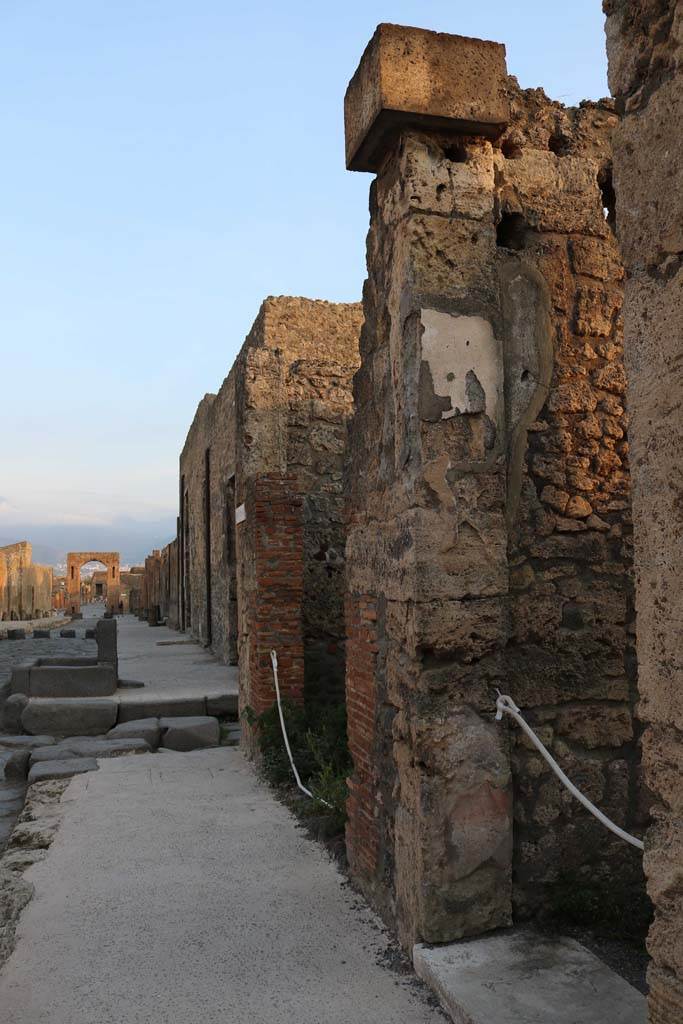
pixel 454 828
pixel 416 78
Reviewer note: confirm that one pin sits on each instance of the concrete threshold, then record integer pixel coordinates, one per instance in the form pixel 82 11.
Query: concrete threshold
pixel 522 977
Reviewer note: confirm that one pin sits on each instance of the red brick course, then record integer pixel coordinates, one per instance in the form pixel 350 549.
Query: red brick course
pixel 275 604
pixel 362 835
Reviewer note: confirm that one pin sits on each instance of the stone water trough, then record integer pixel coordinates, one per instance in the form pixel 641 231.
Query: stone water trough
pixel 72 677
pixel 65 696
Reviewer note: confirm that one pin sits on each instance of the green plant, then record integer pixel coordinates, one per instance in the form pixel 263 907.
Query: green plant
pixel 318 741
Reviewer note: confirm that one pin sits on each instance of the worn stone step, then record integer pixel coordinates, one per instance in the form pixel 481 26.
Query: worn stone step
pixel 522 977
pixel 61 769
pixel 158 707
pixel 147 729
pixel 189 733
pixel 14 764
pixel 85 716
pixel 86 746
pixel 25 742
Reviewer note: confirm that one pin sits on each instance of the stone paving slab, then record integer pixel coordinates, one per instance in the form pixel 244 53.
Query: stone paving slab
pixel 44 770
pixel 521 977
pixel 178 890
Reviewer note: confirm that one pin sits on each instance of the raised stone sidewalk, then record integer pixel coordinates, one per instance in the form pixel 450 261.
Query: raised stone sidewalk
pixel 178 889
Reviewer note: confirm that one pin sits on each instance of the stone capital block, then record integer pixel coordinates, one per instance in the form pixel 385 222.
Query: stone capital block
pixel 413 78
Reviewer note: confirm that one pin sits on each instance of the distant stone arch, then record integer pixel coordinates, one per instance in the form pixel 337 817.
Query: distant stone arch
pixel 75 560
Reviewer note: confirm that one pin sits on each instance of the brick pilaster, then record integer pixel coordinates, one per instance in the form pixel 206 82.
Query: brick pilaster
pixel 362 836
pixel 275 602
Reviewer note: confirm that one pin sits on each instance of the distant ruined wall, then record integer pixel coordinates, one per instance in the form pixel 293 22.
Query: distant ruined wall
pixel 293 400
pixel 131 587
pixel 261 533
pixel 488 498
pixel 25 588
pixel 193 522
pixel 645 50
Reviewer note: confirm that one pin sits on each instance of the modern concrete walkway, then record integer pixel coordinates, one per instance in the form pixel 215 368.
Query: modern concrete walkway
pixel 178 891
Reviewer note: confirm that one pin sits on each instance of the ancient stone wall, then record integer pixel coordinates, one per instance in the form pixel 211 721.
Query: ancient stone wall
pixel 193 523
pixel 131 588
pixel 488 536
pixel 261 535
pixel 645 50
pixel 25 588
pixel 151 596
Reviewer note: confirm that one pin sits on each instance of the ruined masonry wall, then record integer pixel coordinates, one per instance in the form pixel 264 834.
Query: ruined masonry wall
pixel 293 400
pixel 277 425
pixel 25 588
pixel 192 521
pixel 645 50
pixel 570 653
pixel 489 530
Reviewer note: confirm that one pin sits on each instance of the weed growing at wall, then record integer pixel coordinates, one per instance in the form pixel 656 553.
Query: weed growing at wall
pixel 317 737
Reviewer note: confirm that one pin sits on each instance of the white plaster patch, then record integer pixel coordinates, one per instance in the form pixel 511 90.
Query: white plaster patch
pixel 454 346
pixel 240 514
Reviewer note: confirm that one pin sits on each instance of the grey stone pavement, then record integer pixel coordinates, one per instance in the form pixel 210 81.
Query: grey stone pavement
pixel 179 891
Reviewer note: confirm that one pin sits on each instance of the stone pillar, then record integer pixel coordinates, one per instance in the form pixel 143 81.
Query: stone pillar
pixel 645 49
pixel 430 802
pixel 73 585
pixel 113 586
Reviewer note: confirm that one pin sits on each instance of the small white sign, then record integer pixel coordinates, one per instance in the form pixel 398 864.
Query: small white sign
pixel 240 514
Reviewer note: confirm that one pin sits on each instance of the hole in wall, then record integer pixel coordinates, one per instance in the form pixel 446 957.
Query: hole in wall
pixel 456 153
pixel 440 189
pixel 558 144
pixel 609 199
pixel 511 231
pixel 510 149
pixel 525 375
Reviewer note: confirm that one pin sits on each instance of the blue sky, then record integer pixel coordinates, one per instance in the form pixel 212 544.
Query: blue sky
pixel 166 165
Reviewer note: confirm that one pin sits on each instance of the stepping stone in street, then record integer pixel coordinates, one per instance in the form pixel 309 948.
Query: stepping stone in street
pixel 41 634
pixel 90 634
pixel 147 729
pixel 61 769
pixel 26 742
pixel 59 752
pixel 16 634
pixel 189 733
pixel 67 634
pixel 14 763
pixel 14 708
pixel 87 746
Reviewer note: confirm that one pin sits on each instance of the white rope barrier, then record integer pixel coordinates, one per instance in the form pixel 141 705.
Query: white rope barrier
pixel 273 661
pixel 506 705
